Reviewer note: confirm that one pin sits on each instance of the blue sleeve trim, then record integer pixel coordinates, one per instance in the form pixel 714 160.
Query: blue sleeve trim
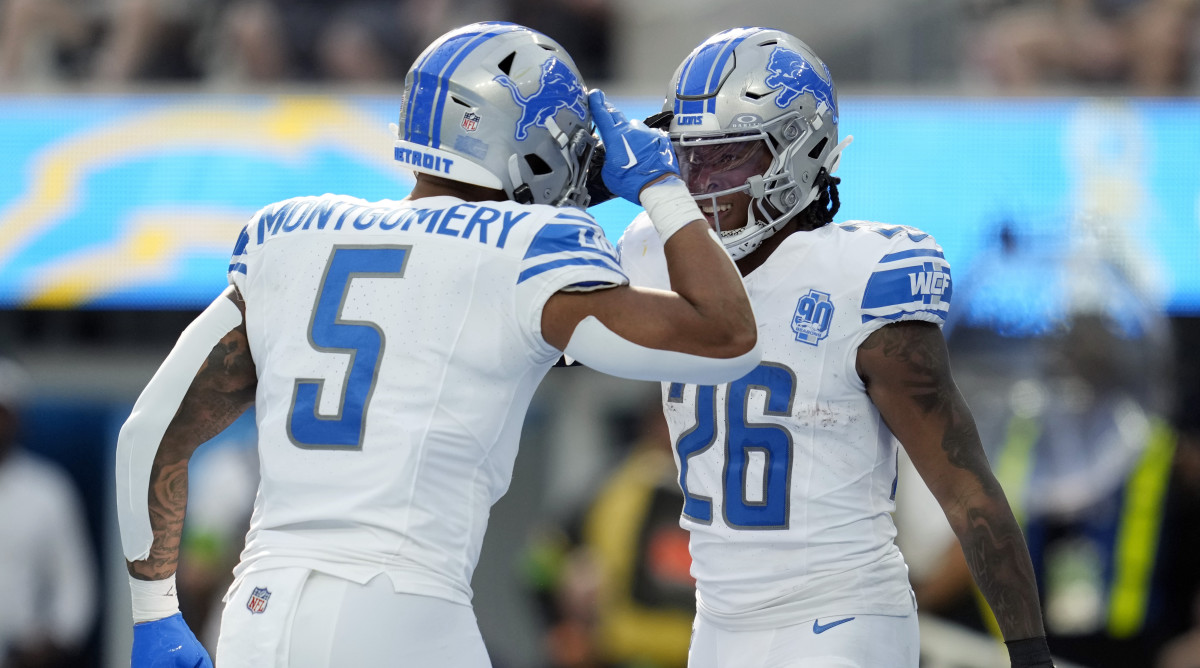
pixel 566 262
pixel 243 240
pixel 927 283
pixel 918 252
pixel 579 219
pixel 239 251
pixel 571 237
pixel 591 284
pixel 941 315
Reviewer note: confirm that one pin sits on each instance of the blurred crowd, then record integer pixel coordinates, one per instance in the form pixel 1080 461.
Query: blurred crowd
pixel 114 41
pixel 1007 46
pixel 1148 46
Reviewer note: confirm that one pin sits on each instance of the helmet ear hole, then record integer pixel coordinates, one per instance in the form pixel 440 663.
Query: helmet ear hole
pixel 537 165
pixel 506 64
pixel 819 148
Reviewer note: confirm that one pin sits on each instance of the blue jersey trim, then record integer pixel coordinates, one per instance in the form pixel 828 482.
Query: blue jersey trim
pixel 578 219
pixel 238 267
pixel 591 284
pixel 566 262
pixel 889 287
pixel 243 240
pixel 917 252
pixel 921 284
pixel 941 315
pixel 571 238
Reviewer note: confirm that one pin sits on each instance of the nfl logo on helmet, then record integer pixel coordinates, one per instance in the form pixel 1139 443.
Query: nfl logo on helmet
pixel 470 121
pixel 258 600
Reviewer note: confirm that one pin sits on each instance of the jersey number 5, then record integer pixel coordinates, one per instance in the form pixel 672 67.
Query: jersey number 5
pixel 756 455
pixel 361 340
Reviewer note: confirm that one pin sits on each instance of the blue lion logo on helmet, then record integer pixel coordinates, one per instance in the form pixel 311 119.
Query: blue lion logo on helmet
pixel 790 71
pixel 559 88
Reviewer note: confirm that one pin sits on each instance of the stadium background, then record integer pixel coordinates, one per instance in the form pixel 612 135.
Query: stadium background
pixel 121 202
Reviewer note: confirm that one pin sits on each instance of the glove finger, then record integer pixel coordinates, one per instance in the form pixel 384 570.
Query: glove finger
pixel 600 114
pixel 604 114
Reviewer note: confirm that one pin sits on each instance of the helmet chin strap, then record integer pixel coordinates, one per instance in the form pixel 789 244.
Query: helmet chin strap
pixel 739 248
pixel 521 192
pixel 743 246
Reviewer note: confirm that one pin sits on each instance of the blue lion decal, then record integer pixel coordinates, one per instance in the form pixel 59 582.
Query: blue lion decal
pixel 559 88
pixel 790 71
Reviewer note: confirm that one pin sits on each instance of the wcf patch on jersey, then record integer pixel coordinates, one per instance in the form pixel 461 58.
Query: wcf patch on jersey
pixel 258 600
pixel 814 313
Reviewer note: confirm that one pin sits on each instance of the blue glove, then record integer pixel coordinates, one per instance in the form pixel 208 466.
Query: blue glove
pixel 634 154
pixel 167 643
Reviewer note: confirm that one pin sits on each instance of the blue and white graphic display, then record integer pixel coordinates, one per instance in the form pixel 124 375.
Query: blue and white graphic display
pixel 134 202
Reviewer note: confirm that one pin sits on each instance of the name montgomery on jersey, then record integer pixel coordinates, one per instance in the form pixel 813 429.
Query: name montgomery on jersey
pixel 465 221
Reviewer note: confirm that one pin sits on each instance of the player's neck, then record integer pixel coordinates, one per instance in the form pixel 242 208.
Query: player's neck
pixel 433 186
pixel 759 255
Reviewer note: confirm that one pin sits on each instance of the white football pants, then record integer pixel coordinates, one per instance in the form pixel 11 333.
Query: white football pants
pixel 848 641
pixel 296 618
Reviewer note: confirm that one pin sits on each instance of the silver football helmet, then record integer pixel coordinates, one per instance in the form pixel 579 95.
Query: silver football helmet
pixel 741 98
pixel 500 106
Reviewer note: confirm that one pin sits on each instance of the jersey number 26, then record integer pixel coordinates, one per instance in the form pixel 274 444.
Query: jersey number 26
pixel 766 444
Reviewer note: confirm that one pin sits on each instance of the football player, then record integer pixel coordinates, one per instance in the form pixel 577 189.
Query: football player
pixel 789 473
pixel 391 349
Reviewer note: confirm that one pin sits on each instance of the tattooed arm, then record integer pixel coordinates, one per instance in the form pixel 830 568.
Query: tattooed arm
pixel 906 369
pixel 222 389
pixel 180 408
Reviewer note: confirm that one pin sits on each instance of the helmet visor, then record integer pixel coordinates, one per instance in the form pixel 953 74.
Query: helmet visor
pixel 712 168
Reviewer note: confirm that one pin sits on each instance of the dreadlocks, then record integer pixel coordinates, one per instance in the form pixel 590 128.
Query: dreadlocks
pixel 821 210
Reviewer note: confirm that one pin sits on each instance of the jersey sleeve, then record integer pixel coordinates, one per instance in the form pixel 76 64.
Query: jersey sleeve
pixel 642 257
pixel 246 247
pixel 568 252
pixel 910 280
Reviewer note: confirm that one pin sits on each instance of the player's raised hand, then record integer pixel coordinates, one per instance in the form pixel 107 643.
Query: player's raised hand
pixel 167 643
pixel 635 155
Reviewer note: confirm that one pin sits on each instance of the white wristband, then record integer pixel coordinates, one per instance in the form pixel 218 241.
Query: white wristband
pixel 153 599
pixel 670 206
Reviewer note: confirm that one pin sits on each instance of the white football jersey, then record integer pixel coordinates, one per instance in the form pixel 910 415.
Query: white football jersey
pixel 789 474
pixel 398 344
